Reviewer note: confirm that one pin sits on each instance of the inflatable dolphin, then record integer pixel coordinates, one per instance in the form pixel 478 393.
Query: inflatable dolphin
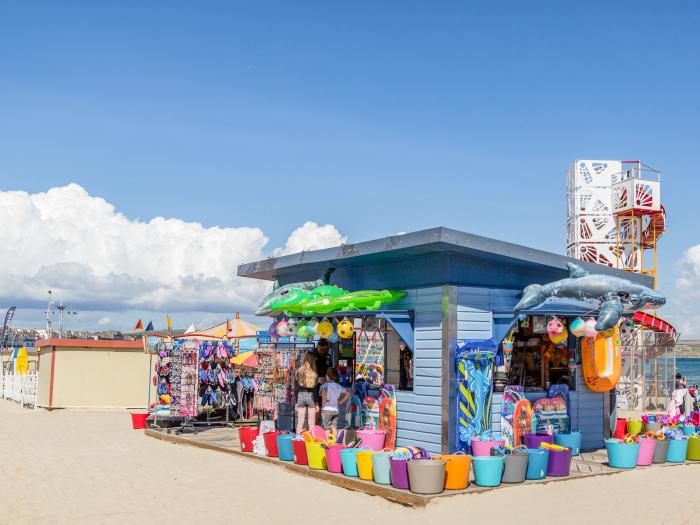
pixel 279 292
pixel 614 294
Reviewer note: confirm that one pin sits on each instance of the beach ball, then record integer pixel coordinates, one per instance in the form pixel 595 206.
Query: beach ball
pixel 577 327
pixel 324 329
pixel 313 327
pixel 626 327
pixel 303 330
pixel 345 329
pixel 589 328
pixel 554 329
pixel 281 328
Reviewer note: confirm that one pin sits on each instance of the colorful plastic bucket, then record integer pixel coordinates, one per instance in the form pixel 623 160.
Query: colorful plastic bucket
pixel 634 427
pixel 284 447
pixel 247 435
pixel 571 440
pixel 138 420
pixel 688 431
pixel 316 455
pixel 372 439
pixel 299 449
pixel 651 427
pixel 381 468
pixel 348 457
pixel 457 468
pixel 559 463
pixel 693 448
pixel 677 450
pixel 647 446
pixel 622 455
pixel 515 467
pixel 399 473
pixel 620 428
pixel 488 470
pixel 660 451
pixel 333 458
pixel 537 459
pixel 534 440
pixel 364 465
pixel 483 448
pixel 271 443
pixel 426 476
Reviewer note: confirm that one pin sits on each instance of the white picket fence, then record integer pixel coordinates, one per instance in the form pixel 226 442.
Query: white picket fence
pixel 21 389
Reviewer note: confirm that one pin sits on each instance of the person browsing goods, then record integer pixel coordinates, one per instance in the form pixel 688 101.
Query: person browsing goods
pixel 332 396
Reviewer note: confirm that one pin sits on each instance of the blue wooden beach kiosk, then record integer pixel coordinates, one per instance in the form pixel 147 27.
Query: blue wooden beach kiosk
pixel 459 287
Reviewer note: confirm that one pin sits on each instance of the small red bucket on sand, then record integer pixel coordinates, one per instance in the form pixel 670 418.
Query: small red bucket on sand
pixel 247 435
pixel 299 448
pixel 138 420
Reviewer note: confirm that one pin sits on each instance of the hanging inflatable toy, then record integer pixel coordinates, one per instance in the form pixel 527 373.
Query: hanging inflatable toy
pixel 554 328
pixel 273 329
pixel 589 329
pixel 345 328
pixel 291 326
pixel 303 330
pixel 281 328
pixel 577 327
pixel 324 329
pixel 561 338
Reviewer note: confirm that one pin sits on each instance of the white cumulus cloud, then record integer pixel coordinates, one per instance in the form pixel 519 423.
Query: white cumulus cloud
pixel 86 252
pixel 687 309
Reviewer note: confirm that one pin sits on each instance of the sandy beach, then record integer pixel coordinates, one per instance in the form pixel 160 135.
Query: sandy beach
pixel 75 466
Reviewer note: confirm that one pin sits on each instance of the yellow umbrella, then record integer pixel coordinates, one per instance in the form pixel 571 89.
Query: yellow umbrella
pixel 245 359
pixel 232 329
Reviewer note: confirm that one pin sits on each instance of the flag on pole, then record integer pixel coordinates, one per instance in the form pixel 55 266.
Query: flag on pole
pixel 139 326
pixel 149 328
pixel 6 327
pixel 170 325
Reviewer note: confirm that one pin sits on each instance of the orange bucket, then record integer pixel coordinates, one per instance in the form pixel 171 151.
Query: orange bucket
pixel 456 470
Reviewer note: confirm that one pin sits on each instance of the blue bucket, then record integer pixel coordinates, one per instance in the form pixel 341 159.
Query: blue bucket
pixel 284 447
pixel 622 455
pixel 488 470
pixel 688 431
pixel 537 459
pixel 348 457
pixel 571 440
pixel 381 468
pixel 677 450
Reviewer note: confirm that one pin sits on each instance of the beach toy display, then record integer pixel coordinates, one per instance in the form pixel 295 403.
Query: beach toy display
pixel 457 468
pixel 537 463
pixel 316 455
pixel 381 468
pixel 348 458
pixel 299 449
pixel 482 446
pixel 364 465
pixel 247 436
pixel 559 461
pixel 534 440
pixel 647 446
pixel 270 439
pixel 284 447
pixel 515 468
pixel 372 439
pixel 634 427
pixel 333 461
pixel 426 476
pixel 677 446
pixel 652 422
pixel 693 452
pixel 571 440
pixel 688 430
pixel 622 453
pixel 488 470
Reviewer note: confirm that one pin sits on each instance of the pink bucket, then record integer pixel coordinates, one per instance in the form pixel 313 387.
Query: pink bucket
pixel 483 448
pixel 333 458
pixel 646 451
pixel 372 439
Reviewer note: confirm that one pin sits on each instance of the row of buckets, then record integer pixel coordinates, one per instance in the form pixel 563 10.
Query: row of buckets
pixel 649 450
pixel 415 470
pixel 634 427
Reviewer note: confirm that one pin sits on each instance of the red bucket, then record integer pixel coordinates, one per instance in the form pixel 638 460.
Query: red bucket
pixel 246 436
pixel 138 420
pixel 271 443
pixel 620 428
pixel 299 449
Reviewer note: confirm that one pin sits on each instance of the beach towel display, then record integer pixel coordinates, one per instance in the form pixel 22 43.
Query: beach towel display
pixel 370 412
pixel 474 363
pixel 549 416
pixel 516 416
pixel 561 391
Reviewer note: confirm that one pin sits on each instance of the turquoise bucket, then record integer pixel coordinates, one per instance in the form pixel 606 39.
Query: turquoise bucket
pixel 488 470
pixel 571 440
pixel 381 468
pixel 348 457
pixel 688 431
pixel 677 450
pixel 537 459
pixel 622 455
pixel 284 447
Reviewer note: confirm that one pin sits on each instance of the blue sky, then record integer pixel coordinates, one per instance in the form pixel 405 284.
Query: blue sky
pixel 373 117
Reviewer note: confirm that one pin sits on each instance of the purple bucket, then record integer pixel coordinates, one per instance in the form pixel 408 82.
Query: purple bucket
pixel 559 463
pixel 534 440
pixel 399 473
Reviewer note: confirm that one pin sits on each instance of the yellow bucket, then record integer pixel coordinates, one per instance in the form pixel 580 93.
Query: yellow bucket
pixel 315 455
pixel 364 465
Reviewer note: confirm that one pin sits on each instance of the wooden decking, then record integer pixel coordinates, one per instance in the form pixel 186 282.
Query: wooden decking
pixel 226 440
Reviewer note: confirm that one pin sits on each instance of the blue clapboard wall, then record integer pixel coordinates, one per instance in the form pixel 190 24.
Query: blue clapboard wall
pixel 418 421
